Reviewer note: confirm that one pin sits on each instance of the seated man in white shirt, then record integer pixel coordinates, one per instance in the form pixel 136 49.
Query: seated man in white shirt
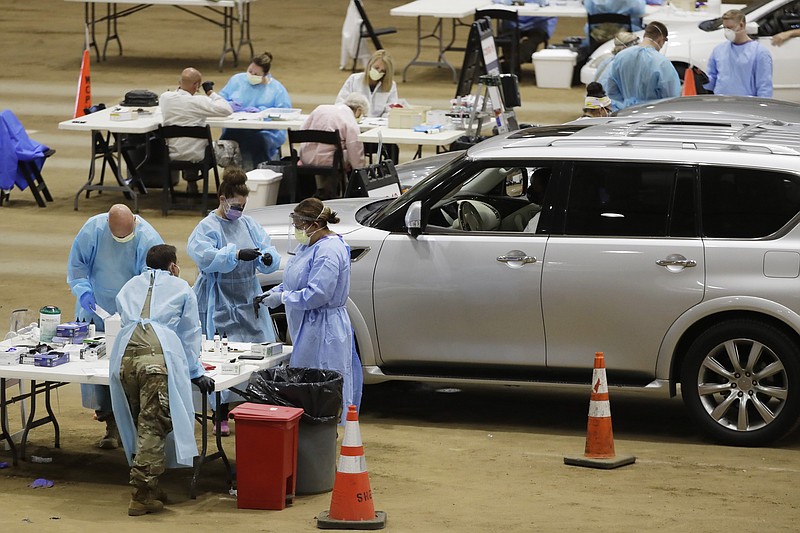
pixel 343 117
pixel 183 107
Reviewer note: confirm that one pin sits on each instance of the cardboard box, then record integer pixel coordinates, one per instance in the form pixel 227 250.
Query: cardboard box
pixel 407 117
pixel 230 369
pixel 50 359
pixel 268 348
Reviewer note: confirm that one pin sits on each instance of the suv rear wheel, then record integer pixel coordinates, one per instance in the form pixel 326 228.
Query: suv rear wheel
pixel 741 382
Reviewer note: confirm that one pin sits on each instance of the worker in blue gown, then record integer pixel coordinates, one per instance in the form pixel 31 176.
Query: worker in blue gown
pixel 155 357
pixel 109 249
pixel 641 74
pixel 230 248
pixel 740 66
pixel 315 288
pixel 254 91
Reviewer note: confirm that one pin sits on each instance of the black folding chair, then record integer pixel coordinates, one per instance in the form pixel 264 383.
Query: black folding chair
pixel 33 177
pixel 367 31
pixel 604 26
pixel 172 199
pixel 305 175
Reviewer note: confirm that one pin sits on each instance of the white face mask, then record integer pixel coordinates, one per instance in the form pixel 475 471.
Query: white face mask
pixel 375 75
pixel 730 34
pixel 252 79
pixel 126 238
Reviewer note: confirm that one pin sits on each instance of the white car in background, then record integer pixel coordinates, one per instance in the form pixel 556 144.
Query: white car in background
pixel 692 43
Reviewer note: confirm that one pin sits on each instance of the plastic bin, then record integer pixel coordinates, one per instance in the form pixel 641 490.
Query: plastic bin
pixel 266 455
pixel 407 117
pixel 554 67
pixel 264 185
pixel 319 393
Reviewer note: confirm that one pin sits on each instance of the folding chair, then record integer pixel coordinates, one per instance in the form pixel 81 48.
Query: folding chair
pixel 29 157
pixel 368 31
pixel 33 177
pixel 506 36
pixel 172 199
pixel 304 175
pixel 604 26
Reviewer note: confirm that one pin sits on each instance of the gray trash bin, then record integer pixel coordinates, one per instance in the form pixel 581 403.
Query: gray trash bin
pixel 319 394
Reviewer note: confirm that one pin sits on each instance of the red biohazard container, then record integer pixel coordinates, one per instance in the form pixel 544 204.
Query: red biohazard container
pixel 266 455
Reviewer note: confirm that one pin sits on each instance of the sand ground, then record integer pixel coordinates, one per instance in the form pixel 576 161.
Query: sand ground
pixel 439 460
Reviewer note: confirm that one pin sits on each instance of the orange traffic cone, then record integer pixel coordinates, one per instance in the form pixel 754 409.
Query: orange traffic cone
pixel 599 451
pixel 83 98
pixel 689 87
pixel 351 502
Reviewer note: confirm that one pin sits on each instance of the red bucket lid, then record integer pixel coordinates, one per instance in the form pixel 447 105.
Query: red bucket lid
pixel 259 411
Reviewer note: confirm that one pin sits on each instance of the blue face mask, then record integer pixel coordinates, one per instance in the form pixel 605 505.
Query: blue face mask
pixel 232 211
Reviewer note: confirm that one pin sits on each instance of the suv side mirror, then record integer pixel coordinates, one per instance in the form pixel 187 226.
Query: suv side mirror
pixel 414 219
pixel 751 28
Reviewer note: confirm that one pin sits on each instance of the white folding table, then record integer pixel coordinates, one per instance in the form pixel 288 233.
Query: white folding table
pixel 226 14
pixel 44 380
pixel 408 136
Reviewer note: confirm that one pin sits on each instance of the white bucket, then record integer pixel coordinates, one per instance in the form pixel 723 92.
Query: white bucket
pixel 554 67
pixel 264 185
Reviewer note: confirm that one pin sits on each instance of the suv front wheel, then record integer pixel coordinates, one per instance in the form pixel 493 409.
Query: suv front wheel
pixel 741 382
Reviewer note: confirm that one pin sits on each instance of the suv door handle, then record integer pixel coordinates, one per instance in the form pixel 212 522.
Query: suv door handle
pixel 516 256
pixel 676 260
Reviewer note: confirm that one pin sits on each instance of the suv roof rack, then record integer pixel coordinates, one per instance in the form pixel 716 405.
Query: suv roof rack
pixel 699 132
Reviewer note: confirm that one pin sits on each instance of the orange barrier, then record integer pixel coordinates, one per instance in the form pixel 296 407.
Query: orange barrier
pixel 689 87
pixel 83 98
pixel 599 451
pixel 351 502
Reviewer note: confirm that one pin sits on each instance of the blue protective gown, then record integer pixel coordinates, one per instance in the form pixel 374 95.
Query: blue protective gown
pixel 99 264
pixel 640 74
pixel 316 284
pixel 174 318
pixel 740 70
pixel 256 146
pixel 226 286
pixel 15 147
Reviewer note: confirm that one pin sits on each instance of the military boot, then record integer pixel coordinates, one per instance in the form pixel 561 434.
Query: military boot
pixel 143 502
pixel 110 440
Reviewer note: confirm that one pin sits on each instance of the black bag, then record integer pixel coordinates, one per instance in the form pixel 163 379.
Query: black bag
pixel 140 98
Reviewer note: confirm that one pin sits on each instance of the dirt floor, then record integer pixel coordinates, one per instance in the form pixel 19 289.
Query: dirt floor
pixel 439 460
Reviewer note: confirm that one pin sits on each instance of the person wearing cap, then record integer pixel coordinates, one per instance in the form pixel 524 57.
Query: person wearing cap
pixel 596 103
pixel 642 74
pixel 110 249
pixel 740 66
pixel 344 119
pixel 315 288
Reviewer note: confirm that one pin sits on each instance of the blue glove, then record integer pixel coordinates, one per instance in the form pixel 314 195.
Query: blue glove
pixel 236 106
pixel 87 302
pixel 251 110
pixel 272 300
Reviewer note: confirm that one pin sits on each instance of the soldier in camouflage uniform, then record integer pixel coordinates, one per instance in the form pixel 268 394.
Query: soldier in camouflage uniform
pixel 152 362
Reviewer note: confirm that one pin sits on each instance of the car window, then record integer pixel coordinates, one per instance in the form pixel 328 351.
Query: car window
pixel 501 196
pixel 784 18
pixel 716 23
pixel 630 200
pixel 747 203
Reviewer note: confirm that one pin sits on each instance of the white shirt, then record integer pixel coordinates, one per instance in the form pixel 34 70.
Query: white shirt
pixel 179 108
pixel 379 100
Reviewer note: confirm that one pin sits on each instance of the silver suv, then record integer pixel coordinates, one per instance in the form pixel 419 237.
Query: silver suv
pixel 670 244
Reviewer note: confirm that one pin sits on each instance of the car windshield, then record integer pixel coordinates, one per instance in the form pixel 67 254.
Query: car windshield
pixel 716 23
pixel 420 191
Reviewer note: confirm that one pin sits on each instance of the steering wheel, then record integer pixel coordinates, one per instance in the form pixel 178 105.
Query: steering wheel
pixel 469 218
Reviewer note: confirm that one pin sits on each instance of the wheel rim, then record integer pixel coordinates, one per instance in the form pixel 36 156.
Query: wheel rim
pixel 742 385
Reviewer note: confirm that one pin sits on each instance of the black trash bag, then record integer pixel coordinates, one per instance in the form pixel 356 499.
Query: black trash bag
pixel 318 392
pixel 284 167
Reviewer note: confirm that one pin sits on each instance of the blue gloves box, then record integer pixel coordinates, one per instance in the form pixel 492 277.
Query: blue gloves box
pixel 51 359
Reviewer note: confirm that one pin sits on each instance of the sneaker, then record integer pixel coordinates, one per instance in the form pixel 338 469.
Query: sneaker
pixel 224 429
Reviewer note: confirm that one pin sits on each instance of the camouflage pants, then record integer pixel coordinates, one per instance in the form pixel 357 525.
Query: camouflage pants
pixel 144 380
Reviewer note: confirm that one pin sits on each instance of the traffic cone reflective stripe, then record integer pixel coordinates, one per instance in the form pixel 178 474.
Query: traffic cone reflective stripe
pixel 689 87
pixel 351 502
pixel 599 450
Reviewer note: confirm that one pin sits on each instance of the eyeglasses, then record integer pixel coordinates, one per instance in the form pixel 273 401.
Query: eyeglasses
pixel 300 222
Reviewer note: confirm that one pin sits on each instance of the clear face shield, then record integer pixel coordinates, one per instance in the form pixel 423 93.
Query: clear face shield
pixel 296 233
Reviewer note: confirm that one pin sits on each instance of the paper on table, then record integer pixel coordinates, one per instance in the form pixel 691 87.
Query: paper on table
pixel 102 313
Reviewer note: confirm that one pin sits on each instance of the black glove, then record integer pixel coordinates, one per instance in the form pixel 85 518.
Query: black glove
pixel 204 383
pixel 248 254
pixel 266 259
pixel 208 86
